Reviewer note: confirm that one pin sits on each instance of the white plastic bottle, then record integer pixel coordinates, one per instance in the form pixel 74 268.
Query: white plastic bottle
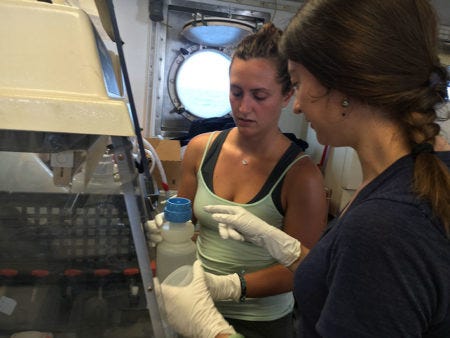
pixel 177 248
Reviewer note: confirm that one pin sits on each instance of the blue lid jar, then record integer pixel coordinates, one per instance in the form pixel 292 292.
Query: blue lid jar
pixel 178 210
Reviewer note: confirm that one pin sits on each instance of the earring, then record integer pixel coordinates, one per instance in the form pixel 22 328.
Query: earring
pixel 345 103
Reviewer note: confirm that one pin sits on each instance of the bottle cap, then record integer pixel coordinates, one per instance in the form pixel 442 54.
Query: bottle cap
pixel 178 210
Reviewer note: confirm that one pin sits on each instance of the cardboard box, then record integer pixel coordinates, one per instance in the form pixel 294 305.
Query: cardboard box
pixel 169 152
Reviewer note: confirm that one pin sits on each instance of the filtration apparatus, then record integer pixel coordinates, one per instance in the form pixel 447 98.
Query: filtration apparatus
pixel 74 189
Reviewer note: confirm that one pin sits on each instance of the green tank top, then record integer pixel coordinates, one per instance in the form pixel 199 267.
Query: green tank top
pixel 222 257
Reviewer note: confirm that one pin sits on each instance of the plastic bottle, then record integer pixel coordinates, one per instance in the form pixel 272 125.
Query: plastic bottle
pixel 182 276
pixel 177 248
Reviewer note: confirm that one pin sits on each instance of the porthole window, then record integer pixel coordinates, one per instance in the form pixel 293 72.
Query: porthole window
pixel 216 32
pixel 200 83
pixel 191 64
pixel 199 77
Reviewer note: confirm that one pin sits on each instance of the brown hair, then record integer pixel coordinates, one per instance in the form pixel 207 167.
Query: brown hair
pixel 264 44
pixel 383 53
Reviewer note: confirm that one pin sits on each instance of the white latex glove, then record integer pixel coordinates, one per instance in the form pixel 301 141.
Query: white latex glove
pixel 239 224
pixel 224 287
pixel 190 309
pixel 153 228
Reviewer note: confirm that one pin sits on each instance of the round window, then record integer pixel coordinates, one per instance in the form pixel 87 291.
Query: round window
pixel 217 32
pixel 202 83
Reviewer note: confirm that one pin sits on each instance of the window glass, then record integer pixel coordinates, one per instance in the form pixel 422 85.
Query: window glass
pixel 202 83
pixel 448 84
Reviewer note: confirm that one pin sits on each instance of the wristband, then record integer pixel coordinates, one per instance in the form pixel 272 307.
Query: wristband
pixel 236 335
pixel 243 288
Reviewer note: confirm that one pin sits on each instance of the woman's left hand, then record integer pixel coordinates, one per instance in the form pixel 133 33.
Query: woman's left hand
pixel 237 223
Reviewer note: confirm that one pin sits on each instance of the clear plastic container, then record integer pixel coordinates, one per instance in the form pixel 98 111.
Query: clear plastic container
pixel 180 277
pixel 177 248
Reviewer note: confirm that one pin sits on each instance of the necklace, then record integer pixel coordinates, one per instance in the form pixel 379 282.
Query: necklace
pixel 244 162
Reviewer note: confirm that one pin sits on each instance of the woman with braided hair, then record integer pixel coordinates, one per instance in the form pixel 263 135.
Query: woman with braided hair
pixel 367 76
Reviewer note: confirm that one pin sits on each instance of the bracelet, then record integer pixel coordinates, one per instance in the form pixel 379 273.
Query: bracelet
pixel 236 335
pixel 243 288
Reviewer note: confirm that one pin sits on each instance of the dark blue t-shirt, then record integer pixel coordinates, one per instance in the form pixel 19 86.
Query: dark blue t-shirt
pixel 381 270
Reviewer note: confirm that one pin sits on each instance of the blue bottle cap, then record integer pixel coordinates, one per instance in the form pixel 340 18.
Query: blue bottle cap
pixel 178 210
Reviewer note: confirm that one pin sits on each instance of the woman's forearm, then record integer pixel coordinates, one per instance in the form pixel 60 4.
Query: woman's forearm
pixel 304 252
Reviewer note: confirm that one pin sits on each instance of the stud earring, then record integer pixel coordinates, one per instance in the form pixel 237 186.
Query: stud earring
pixel 345 103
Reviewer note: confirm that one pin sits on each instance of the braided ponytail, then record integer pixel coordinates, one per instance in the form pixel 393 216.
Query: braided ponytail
pixel 432 183
pixel 431 175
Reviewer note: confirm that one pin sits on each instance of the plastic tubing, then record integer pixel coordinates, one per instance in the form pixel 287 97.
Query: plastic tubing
pixel 152 168
pixel 149 154
pixel 159 165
